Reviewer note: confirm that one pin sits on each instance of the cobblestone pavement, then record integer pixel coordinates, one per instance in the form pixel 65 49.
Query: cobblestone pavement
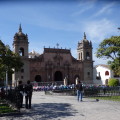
pixel 47 107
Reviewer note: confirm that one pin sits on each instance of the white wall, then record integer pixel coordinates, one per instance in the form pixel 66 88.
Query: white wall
pixel 101 70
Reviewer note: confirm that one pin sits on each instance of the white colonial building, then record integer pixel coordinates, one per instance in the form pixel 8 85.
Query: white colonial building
pixel 101 74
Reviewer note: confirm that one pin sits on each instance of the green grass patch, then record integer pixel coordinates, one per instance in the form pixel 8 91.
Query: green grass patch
pixel 4 108
pixel 112 98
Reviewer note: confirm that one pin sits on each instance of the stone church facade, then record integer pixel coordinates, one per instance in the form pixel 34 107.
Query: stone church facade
pixel 54 64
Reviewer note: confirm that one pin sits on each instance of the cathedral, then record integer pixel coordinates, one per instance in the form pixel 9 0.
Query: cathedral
pixel 54 64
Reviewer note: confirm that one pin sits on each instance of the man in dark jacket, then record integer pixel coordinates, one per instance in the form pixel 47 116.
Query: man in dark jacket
pixel 79 91
pixel 20 92
pixel 28 96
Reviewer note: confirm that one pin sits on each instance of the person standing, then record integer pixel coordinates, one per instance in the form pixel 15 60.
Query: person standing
pixel 28 94
pixel 2 93
pixel 21 92
pixel 79 91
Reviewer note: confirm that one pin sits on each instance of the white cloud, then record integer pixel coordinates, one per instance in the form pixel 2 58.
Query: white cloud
pixel 106 9
pixel 99 30
pixel 82 10
pixel 84 6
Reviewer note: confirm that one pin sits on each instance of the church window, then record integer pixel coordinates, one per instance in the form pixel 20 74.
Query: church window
pixel 21 51
pixel 88 73
pixel 58 64
pixel 87 55
pixel 22 70
pixel 22 77
pixel 106 73
pixel 79 56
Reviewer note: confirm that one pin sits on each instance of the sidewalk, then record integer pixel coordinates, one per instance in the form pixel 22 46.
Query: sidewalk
pixel 47 107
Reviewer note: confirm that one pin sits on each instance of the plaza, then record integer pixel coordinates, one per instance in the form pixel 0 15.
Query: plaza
pixel 52 107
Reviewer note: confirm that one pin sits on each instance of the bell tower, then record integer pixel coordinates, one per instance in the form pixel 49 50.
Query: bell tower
pixel 20 46
pixel 84 49
pixel 84 55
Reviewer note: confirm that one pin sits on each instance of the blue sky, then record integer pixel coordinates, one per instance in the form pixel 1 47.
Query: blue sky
pixel 48 22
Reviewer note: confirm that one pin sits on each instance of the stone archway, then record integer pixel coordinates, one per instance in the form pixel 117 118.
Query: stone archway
pixel 58 76
pixel 38 78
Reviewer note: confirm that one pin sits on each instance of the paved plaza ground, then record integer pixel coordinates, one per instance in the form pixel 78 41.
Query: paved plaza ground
pixel 48 107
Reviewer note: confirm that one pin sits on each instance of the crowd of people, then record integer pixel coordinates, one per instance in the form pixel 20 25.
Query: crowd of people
pixel 52 87
pixel 47 87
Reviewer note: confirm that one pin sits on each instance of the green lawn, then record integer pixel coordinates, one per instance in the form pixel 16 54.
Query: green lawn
pixel 4 108
pixel 112 98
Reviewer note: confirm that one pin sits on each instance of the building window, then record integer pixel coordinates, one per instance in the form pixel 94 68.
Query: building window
pixel 21 51
pixel 88 73
pixel 81 55
pixel 106 73
pixel 98 77
pixel 22 77
pixel 87 56
pixel 22 70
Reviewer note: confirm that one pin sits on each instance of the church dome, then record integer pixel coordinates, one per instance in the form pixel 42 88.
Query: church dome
pixel 84 42
pixel 20 35
pixel 84 39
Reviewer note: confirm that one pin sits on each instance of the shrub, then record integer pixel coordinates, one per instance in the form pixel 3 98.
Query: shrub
pixel 113 82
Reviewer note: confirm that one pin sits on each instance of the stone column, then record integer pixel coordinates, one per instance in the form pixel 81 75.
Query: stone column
pixel 76 82
pixel 65 81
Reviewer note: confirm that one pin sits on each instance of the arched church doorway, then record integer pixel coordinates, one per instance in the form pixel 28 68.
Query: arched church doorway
pixel 58 76
pixel 38 78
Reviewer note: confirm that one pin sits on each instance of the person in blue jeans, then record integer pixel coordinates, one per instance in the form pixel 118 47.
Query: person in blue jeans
pixel 79 91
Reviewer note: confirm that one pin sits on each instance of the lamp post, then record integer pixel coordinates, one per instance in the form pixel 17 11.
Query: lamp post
pixel 6 80
pixel 49 78
pixel 17 80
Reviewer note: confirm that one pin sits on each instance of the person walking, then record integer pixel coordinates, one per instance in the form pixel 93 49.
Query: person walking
pixel 79 91
pixel 28 94
pixel 20 92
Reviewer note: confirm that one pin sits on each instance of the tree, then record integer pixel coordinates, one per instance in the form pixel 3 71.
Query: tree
pixel 110 49
pixel 113 82
pixel 8 60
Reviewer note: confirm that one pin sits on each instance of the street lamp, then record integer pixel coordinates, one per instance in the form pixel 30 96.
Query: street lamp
pixel 6 80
